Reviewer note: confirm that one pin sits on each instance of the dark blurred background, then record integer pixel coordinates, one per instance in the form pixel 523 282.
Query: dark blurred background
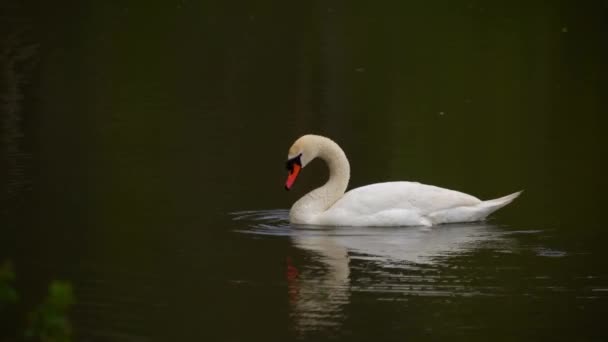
pixel 130 130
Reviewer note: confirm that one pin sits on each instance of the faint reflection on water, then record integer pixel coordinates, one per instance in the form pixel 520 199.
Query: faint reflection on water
pixel 393 263
pixel 402 247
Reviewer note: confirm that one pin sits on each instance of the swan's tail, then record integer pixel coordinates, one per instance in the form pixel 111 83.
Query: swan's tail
pixel 485 208
pixel 471 213
pixel 498 203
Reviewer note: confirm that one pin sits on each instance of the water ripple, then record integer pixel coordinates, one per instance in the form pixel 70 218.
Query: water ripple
pixel 392 246
pixel 400 264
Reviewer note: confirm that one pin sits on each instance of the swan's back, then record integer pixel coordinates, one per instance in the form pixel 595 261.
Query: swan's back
pixel 422 198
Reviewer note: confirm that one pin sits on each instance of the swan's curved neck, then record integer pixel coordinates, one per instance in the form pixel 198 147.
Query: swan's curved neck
pixel 320 199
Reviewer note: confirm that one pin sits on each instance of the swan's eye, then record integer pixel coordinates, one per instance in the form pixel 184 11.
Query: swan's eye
pixel 292 161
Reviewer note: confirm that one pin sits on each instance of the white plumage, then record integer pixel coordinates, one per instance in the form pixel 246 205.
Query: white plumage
pixel 380 204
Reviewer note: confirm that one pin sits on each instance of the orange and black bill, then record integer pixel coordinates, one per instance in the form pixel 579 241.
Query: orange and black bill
pixel 294 165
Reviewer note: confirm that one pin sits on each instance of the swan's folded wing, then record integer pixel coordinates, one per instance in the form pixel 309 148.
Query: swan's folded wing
pixel 424 199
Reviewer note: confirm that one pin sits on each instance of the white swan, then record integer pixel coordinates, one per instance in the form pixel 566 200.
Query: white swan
pixel 380 204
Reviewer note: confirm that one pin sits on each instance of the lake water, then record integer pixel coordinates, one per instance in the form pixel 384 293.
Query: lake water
pixel 142 159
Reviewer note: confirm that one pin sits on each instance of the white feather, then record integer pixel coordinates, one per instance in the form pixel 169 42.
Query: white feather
pixel 380 204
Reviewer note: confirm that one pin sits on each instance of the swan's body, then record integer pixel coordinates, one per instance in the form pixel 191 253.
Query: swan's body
pixel 380 204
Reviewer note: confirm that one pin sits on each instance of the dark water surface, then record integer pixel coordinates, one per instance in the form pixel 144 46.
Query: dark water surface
pixel 142 159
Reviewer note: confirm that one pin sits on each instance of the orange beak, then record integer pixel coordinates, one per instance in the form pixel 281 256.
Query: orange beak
pixel 292 175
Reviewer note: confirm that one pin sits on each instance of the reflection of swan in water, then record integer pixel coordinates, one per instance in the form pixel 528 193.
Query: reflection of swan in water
pixel 385 245
pixel 397 260
pixel 395 246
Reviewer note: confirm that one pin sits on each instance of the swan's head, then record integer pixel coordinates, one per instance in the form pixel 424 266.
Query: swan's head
pixel 302 152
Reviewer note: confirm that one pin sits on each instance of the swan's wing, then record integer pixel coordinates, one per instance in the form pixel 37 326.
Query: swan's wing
pixel 424 199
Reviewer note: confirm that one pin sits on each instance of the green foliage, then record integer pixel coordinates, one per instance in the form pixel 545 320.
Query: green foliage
pixel 8 295
pixel 49 322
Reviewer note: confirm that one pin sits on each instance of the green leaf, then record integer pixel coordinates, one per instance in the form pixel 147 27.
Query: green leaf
pixel 49 322
pixel 60 295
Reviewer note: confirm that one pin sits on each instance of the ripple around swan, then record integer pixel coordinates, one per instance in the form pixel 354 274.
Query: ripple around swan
pixel 419 245
pixel 345 266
